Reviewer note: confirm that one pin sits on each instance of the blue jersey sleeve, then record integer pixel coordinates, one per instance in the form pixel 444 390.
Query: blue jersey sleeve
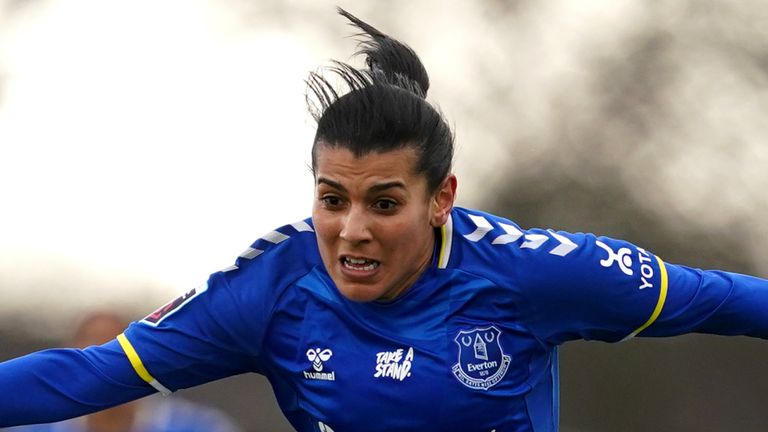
pixel 579 286
pixel 217 330
pixel 210 332
pixel 196 338
pixel 58 384
pixel 199 337
pixel 605 289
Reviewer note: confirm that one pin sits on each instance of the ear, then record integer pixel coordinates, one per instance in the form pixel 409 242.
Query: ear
pixel 442 201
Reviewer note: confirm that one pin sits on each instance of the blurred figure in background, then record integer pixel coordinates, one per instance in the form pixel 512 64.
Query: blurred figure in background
pixel 152 414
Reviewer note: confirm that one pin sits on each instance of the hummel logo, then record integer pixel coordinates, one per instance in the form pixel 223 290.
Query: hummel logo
pixel 317 356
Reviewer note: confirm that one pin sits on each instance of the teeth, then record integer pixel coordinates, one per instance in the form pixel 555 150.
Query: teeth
pixel 360 264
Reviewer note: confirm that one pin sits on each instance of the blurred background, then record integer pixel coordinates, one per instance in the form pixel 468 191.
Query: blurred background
pixel 145 144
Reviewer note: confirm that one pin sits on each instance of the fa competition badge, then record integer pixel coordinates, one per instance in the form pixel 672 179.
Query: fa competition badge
pixel 482 362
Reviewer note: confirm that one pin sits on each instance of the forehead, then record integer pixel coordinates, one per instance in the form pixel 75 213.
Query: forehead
pixel 339 161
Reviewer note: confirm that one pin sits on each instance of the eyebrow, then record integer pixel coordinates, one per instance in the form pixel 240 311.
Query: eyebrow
pixel 375 188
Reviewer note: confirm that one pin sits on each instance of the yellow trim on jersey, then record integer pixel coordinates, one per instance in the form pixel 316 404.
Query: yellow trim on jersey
pixel 138 366
pixel 446 237
pixel 659 304
pixel 442 246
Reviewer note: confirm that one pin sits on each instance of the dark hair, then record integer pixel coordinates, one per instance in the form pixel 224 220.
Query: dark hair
pixel 384 107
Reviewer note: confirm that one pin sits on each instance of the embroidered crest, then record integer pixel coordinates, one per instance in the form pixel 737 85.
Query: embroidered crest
pixel 156 317
pixel 482 362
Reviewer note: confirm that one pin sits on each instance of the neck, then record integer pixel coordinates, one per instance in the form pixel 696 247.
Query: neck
pixel 410 281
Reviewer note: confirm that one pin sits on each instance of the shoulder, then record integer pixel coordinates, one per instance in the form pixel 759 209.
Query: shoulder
pixel 277 258
pixel 255 282
pixel 500 250
pixel 488 243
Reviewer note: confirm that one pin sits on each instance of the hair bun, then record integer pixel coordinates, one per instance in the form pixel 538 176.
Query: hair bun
pixel 390 60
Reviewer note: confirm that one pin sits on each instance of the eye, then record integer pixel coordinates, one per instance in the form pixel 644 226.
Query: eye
pixel 385 205
pixel 331 201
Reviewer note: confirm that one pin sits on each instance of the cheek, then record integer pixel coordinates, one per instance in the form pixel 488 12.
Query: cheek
pixel 407 235
pixel 325 230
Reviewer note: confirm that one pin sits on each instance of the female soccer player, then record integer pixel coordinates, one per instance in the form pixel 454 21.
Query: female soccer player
pixel 391 309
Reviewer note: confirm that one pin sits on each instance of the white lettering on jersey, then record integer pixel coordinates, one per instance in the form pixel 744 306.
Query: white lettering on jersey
pixel 646 271
pixel 482 361
pixel 623 258
pixel 393 364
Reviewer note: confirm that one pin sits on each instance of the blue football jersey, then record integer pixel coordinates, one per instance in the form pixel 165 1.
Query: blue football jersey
pixel 471 346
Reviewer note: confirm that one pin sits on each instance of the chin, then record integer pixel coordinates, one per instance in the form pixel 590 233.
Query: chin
pixel 360 294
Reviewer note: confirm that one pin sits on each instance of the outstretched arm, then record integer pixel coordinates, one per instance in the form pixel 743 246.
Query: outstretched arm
pixel 57 384
pixel 611 290
pixel 210 332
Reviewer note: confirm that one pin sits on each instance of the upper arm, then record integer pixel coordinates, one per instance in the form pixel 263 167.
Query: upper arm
pixel 611 290
pixel 217 330
pixel 199 337
pixel 601 289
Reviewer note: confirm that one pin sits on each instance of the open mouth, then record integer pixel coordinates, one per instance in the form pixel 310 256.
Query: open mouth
pixel 359 264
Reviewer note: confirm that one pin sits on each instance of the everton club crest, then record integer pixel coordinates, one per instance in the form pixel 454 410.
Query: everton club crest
pixel 482 362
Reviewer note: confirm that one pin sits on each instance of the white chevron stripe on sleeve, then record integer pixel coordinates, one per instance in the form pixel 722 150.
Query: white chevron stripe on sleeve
pixel 534 241
pixel 565 247
pixel 512 234
pixel 275 237
pixel 302 226
pixel 251 253
pixel 483 228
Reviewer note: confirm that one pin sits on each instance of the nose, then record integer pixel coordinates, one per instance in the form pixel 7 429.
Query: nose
pixel 355 226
